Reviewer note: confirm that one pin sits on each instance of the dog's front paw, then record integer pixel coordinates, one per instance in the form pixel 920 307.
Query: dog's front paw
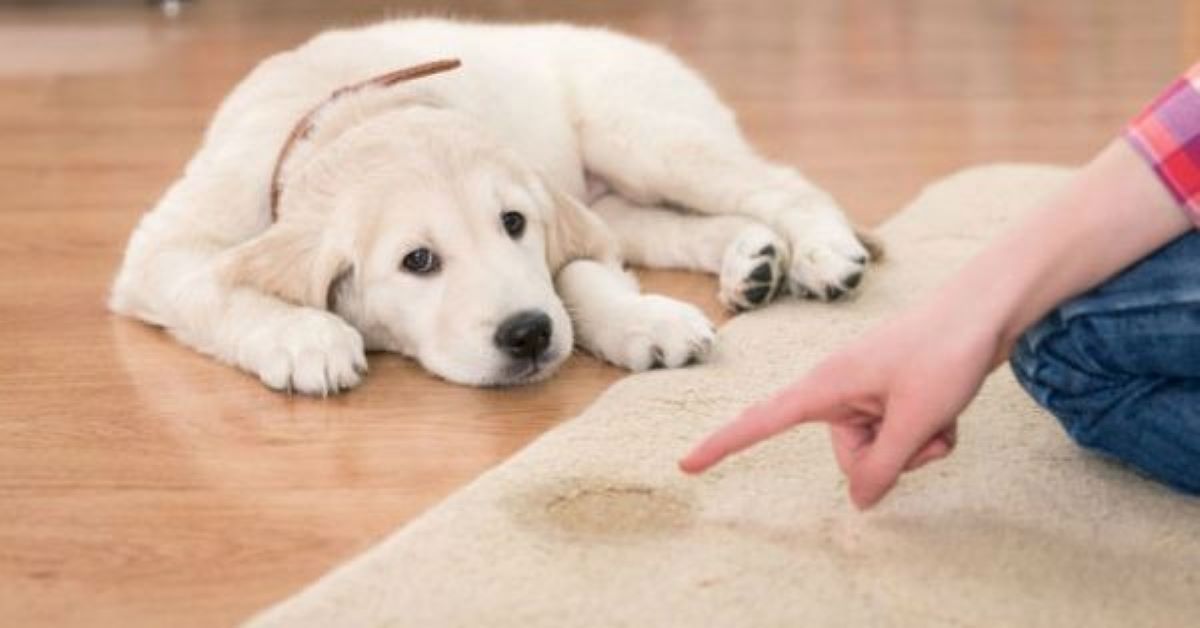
pixel 752 268
pixel 827 260
pixel 659 332
pixel 310 352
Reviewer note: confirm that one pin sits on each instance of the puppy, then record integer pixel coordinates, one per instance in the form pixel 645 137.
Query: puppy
pixel 350 196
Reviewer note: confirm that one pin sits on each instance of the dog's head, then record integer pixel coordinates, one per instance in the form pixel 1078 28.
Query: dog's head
pixel 422 231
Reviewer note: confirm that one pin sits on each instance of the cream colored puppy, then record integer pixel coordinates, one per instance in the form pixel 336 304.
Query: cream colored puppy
pixel 443 213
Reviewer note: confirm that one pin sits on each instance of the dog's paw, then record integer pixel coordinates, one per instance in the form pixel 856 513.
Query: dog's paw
pixel 827 259
pixel 752 268
pixel 310 352
pixel 662 333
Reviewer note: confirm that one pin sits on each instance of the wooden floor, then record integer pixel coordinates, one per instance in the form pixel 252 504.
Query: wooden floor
pixel 142 484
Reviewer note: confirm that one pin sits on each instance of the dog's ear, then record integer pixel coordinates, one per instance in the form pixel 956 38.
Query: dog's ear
pixel 293 260
pixel 575 232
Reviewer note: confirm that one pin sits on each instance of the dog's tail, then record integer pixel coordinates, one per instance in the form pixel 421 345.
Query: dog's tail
pixel 871 242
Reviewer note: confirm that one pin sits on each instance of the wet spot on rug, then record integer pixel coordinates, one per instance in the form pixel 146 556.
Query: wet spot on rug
pixel 604 510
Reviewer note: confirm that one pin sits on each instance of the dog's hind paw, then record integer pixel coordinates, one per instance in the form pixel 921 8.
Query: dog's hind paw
pixel 752 269
pixel 828 260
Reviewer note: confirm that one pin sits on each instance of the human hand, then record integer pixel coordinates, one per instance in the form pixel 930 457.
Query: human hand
pixel 891 401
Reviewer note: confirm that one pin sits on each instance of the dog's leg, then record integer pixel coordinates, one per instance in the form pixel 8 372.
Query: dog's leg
pixel 657 134
pixel 747 257
pixel 288 347
pixel 637 331
pixel 170 278
pixel 682 163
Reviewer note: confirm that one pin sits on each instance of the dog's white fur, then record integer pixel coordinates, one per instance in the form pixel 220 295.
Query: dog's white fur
pixel 536 116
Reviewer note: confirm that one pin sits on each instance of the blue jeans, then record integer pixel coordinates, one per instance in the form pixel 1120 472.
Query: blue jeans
pixel 1120 365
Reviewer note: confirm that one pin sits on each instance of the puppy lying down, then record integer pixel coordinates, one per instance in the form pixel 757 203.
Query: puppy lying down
pixel 352 196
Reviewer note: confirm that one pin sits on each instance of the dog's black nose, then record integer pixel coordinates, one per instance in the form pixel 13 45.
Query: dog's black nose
pixel 524 334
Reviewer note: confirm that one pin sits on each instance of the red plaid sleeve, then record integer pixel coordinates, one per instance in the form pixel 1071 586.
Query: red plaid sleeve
pixel 1167 134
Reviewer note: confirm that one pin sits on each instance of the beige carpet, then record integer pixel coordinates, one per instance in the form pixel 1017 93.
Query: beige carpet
pixel 592 525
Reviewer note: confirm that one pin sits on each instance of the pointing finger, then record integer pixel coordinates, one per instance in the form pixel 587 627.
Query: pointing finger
pixel 806 401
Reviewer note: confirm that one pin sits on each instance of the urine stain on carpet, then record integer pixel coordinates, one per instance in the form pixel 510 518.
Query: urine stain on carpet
pixel 598 510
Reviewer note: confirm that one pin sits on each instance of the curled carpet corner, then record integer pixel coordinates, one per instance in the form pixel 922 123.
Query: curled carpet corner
pixel 592 525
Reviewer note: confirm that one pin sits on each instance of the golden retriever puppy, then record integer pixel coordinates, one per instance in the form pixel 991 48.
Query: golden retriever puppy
pixel 350 196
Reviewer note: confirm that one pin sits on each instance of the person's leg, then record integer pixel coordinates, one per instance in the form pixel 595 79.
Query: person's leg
pixel 1120 365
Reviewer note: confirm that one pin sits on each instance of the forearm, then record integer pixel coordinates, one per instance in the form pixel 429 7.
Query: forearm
pixel 1114 212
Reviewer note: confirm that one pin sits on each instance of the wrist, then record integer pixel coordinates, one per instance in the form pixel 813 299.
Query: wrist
pixel 987 319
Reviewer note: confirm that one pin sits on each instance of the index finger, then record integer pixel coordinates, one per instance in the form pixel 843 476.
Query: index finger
pixel 805 401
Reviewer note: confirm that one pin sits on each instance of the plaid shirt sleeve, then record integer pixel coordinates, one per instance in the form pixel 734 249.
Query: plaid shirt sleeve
pixel 1167 134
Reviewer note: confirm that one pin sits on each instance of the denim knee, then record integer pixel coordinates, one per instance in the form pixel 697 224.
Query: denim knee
pixel 1141 421
pixel 1050 363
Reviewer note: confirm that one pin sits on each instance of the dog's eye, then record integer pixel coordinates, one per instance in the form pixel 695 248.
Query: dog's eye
pixel 514 223
pixel 421 262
